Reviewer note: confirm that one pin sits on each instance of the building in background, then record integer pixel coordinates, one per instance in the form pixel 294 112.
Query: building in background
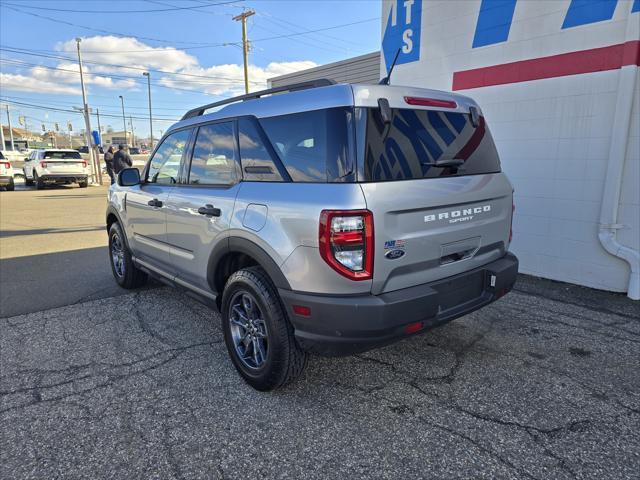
pixel 362 69
pixel 116 138
pixel 558 83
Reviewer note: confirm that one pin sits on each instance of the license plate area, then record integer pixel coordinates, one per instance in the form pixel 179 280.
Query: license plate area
pixel 460 290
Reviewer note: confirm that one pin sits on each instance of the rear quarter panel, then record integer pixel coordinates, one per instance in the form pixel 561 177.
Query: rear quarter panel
pixel 290 233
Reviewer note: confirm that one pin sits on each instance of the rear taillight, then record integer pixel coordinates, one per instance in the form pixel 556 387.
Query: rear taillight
pixel 43 164
pixel 84 164
pixel 346 242
pixel 430 102
pixel 5 164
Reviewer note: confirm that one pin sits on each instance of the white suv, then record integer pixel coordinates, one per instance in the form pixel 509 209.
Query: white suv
pixel 55 166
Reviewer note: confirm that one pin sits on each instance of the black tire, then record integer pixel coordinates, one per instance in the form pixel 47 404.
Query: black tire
pixel 130 276
pixel 38 181
pixel 285 360
pixel 83 184
pixel 11 186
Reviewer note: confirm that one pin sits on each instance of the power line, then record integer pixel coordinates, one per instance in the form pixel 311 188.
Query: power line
pixel 57 109
pixel 212 82
pixel 225 44
pixel 25 51
pixel 101 105
pixel 109 32
pixel 191 7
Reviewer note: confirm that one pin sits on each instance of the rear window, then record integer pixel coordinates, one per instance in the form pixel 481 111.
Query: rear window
pixel 49 154
pixel 418 139
pixel 313 146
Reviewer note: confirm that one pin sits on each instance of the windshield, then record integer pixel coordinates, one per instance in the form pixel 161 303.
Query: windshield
pixel 62 155
pixel 423 144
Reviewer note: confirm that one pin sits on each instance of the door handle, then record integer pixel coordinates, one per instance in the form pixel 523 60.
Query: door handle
pixel 209 210
pixel 154 203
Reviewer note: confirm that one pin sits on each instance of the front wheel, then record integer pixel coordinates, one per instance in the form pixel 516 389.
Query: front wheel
pixel 257 332
pixel 124 270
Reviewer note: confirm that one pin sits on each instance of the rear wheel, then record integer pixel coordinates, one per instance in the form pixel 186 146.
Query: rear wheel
pixel 83 183
pixel 257 332
pixel 11 186
pixel 124 270
pixel 38 181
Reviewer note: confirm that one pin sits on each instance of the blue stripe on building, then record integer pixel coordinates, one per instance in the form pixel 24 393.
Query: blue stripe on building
pixel 583 12
pixel 494 22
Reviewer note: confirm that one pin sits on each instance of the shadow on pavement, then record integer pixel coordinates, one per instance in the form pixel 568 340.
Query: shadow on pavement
pixel 40 282
pixel 44 231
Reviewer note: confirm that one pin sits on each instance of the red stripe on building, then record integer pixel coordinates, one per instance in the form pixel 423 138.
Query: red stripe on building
pixel 574 63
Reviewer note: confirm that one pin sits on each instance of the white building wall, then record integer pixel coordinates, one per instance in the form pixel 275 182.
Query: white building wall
pixel 553 134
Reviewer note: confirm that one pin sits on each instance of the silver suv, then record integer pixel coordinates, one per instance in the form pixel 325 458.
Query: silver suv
pixel 326 219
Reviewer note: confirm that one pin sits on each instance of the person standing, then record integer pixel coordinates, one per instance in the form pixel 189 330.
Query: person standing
pixel 121 160
pixel 108 160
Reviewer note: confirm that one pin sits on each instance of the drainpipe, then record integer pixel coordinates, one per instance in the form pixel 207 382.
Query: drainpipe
pixel 615 169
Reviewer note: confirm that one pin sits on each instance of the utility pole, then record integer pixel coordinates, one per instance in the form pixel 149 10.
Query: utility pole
pixel 87 120
pixel 99 127
pixel 1 136
pixel 124 120
pixel 13 147
pixel 148 75
pixel 245 44
pixel 133 137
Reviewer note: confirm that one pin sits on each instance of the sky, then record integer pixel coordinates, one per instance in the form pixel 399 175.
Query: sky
pixel 192 49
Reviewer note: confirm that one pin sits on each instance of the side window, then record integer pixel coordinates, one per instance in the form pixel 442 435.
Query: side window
pixel 213 161
pixel 165 163
pixel 257 164
pixel 314 145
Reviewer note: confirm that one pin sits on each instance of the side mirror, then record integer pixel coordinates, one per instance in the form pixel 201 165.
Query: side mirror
pixel 26 159
pixel 129 177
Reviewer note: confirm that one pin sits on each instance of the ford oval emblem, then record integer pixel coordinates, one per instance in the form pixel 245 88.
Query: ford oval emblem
pixel 394 254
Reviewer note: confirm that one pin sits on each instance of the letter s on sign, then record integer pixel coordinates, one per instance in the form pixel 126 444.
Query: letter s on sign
pixel 408 42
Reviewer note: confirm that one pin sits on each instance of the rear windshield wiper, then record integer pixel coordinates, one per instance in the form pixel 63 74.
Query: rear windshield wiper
pixel 453 162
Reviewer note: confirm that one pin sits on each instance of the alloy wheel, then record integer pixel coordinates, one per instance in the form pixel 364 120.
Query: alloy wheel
pixel 117 255
pixel 248 330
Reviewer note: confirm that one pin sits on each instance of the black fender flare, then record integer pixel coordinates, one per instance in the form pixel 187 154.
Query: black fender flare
pixel 111 210
pixel 247 247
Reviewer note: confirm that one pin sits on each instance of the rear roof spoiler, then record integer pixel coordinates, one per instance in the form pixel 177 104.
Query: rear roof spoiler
pixel 321 82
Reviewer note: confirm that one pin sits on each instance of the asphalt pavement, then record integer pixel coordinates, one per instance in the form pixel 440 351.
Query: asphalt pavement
pixel 541 384
pixel 53 248
pixel 537 385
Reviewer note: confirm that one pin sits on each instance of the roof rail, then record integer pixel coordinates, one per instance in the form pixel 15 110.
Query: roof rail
pixel 321 82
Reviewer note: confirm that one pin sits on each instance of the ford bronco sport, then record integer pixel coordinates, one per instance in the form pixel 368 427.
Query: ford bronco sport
pixel 320 218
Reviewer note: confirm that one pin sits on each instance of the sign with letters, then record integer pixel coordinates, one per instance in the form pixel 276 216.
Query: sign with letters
pixel 402 32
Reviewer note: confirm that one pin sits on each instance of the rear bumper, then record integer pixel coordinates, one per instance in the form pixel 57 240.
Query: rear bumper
pixel 63 177
pixel 6 180
pixel 343 325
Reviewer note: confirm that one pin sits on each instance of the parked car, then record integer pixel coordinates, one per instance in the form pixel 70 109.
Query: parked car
pixel 85 149
pixel 6 173
pixel 134 151
pixel 331 219
pixel 55 166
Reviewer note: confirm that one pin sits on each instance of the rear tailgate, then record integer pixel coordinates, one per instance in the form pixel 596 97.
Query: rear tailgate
pixel 62 166
pixel 430 229
pixel 440 204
